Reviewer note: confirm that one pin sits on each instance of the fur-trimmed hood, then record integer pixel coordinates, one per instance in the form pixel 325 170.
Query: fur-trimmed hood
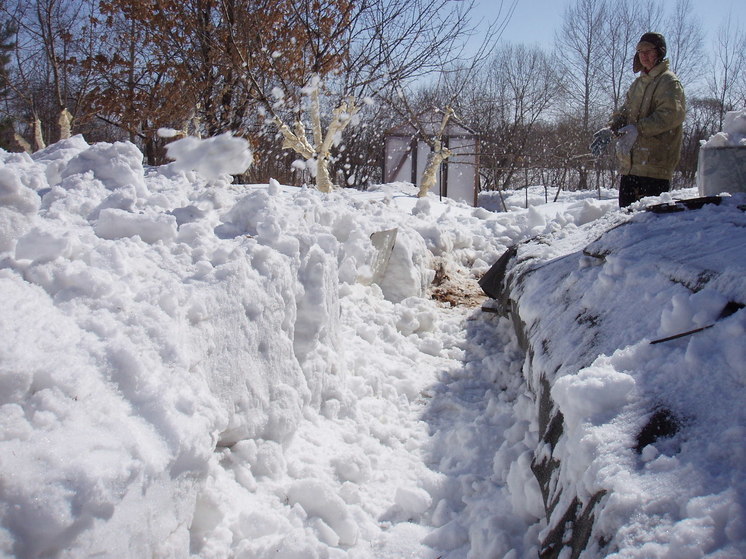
pixel 648 40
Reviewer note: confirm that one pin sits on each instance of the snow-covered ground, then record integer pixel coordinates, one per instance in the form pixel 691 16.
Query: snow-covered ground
pixel 192 367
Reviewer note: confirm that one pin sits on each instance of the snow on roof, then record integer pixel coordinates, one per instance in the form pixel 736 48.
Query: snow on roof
pixel 629 320
pixel 431 123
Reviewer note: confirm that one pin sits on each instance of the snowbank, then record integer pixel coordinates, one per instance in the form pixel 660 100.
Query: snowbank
pixel 168 335
pixel 733 133
pixel 636 366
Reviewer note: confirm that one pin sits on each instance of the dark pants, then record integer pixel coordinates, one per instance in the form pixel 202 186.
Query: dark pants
pixel 632 188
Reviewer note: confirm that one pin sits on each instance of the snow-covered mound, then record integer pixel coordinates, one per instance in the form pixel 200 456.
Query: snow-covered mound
pixel 733 133
pixel 166 337
pixel 636 363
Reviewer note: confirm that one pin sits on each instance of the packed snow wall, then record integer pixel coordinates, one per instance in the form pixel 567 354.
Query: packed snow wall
pixel 632 327
pixel 151 316
pixel 166 334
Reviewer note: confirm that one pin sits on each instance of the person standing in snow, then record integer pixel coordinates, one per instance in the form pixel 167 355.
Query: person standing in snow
pixel 649 125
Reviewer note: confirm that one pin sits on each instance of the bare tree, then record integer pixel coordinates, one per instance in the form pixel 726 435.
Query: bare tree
pixel 729 65
pixel 580 56
pixel 684 41
pixel 622 29
pixel 311 87
pixel 651 15
pixel 45 85
pixel 136 87
pixel 702 121
pixel 579 44
pixel 429 119
pixel 370 48
pixel 524 94
pixel 189 44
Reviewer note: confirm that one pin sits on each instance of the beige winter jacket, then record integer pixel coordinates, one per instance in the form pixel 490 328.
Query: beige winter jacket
pixel 657 106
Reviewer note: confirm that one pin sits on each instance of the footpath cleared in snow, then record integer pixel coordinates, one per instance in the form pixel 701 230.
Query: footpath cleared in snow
pixel 402 465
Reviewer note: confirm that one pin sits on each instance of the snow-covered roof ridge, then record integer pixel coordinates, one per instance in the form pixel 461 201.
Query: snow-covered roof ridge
pixel 589 316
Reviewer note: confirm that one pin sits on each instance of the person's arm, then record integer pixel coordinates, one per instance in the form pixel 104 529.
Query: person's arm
pixel 618 118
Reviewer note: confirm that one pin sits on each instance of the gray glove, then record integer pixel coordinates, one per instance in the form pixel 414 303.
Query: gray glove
pixel 601 139
pixel 627 138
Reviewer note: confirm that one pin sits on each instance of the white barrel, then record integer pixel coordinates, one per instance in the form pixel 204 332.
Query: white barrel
pixel 721 169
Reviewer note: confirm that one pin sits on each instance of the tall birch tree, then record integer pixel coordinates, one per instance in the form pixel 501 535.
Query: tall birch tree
pixel 729 65
pixel 685 43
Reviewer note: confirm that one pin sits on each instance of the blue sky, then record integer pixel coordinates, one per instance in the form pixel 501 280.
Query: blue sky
pixel 535 21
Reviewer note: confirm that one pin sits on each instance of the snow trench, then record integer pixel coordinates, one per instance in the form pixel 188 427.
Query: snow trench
pixel 195 368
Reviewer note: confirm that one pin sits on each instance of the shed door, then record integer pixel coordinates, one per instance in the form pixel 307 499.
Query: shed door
pixel 398 163
pixel 462 170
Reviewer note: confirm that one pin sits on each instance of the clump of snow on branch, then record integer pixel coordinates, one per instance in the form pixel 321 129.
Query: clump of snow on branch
pixel 211 157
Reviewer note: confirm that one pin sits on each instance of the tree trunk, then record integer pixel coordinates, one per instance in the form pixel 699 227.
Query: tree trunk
pixel 430 174
pixel 320 152
pixel 66 122
pixel 22 143
pixel 38 135
pixel 438 154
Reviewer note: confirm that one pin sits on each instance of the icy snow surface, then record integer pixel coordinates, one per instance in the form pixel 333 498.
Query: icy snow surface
pixel 195 368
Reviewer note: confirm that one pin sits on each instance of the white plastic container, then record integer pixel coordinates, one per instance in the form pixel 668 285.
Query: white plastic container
pixel 721 169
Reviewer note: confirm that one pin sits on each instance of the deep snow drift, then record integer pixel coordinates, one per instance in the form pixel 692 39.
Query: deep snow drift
pixel 192 367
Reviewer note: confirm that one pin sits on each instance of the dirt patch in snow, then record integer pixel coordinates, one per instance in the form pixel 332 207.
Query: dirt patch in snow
pixel 455 288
